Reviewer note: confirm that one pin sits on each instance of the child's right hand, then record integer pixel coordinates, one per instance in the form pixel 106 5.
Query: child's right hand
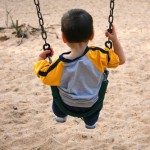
pixel 112 36
pixel 116 45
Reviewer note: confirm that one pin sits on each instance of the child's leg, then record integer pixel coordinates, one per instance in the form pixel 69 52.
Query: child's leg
pixel 61 117
pixel 90 121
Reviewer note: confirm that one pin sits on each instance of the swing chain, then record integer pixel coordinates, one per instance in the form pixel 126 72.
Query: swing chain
pixel 46 46
pixel 108 43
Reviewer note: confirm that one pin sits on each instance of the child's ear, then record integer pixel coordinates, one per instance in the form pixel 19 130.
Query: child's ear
pixel 63 38
pixel 92 36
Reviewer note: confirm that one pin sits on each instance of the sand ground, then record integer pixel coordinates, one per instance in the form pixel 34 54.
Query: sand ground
pixel 26 118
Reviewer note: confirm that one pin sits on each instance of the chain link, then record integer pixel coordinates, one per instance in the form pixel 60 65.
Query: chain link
pixel 46 46
pixel 108 43
pixel 41 23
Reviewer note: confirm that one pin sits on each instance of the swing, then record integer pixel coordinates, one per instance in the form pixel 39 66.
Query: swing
pixel 54 89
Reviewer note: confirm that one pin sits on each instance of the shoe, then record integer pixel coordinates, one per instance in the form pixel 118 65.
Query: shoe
pixel 61 119
pixel 90 127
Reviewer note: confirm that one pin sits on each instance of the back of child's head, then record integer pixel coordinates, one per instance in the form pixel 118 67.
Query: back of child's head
pixel 77 25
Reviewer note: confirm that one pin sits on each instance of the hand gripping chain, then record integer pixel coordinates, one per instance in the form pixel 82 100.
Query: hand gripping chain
pixel 108 43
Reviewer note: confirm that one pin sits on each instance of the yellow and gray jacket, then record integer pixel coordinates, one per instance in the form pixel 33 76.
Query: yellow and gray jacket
pixel 78 80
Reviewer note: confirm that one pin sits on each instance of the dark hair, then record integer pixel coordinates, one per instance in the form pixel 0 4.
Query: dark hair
pixel 77 25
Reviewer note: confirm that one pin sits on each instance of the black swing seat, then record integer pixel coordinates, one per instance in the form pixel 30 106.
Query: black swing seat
pixel 96 106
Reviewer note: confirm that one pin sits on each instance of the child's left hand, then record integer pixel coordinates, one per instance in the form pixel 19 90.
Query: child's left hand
pixel 43 54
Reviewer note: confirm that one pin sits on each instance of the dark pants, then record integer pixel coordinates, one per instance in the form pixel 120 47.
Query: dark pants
pixel 90 120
